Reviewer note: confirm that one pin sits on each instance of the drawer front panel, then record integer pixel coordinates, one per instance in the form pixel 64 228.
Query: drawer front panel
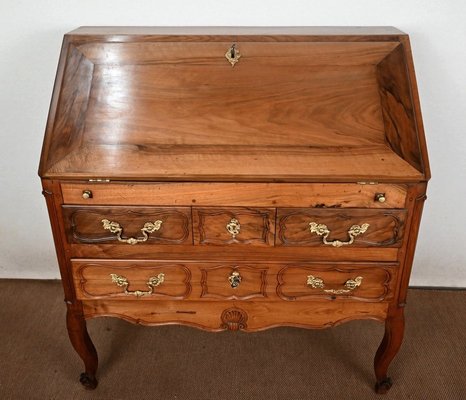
pixel 340 228
pixel 233 282
pixel 234 226
pixel 124 225
pixel 131 280
pixel 247 316
pixel 307 282
pixel 341 195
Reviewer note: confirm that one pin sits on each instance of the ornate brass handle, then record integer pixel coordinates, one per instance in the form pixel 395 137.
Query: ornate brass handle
pixel 153 281
pixel 235 279
pixel 322 230
pixel 115 227
pixel 233 227
pixel 318 283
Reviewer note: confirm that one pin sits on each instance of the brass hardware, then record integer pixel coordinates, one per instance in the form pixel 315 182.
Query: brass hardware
pixel 148 227
pixel 233 55
pixel 87 194
pixel 233 227
pixel 322 230
pixel 367 183
pixel 380 197
pixel 315 283
pixel 235 279
pixel 153 282
pixel 318 283
pixel 99 180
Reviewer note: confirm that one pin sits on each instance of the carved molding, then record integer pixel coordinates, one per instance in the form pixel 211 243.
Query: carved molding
pixel 261 279
pixel 102 236
pixel 184 284
pixel 395 238
pixel 390 277
pixel 263 236
pixel 234 319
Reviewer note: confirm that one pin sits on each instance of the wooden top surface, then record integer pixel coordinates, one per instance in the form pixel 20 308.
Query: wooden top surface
pixel 312 104
pixel 237 34
pixel 351 31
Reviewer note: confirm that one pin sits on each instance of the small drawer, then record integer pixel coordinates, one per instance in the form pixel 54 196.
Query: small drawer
pixel 234 226
pixel 127 225
pixel 115 279
pixel 230 194
pixel 372 283
pixel 233 282
pixel 340 228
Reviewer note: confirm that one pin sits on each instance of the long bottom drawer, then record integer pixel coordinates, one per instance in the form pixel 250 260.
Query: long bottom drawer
pixel 139 280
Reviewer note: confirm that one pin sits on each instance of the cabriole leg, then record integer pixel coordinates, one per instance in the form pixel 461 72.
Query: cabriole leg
pixel 83 345
pixel 391 343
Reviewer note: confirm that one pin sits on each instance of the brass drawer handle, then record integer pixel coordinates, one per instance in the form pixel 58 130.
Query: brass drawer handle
pixel 318 283
pixel 233 227
pixel 235 279
pixel 115 227
pixel 322 230
pixel 153 281
pixel 380 197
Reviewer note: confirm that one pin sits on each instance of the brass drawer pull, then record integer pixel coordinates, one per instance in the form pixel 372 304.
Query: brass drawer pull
pixel 380 197
pixel 115 227
pixel 235 279
pixel 318 283
pixel 153 281
pixel 233 227
pixel 87 194
pixel 322 230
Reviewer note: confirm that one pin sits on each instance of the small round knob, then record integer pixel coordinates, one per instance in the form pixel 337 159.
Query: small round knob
pixel 87 194
pixel 380 197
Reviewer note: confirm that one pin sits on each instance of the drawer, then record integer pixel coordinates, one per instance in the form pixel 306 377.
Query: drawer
pixel 130 280
pixel 127 225
pixel 223 194
pixel 373 283
pixel 340 228
pixel 234 226
pixel 233 282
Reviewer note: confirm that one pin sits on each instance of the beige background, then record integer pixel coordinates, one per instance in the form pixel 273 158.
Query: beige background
pixel 30 38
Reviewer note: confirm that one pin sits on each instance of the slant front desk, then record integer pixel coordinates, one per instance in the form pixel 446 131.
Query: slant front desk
pixel 235 178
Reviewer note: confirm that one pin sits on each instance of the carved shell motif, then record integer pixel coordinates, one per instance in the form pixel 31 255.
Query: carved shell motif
pixel 234 319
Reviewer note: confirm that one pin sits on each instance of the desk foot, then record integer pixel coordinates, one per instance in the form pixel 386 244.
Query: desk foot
pixel 383 386
pixel 88 381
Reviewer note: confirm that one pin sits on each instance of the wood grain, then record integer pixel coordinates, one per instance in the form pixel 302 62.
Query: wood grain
pixel 215 284
pixel 377 284
pixel 386 227
pixel 84 224
pixel 236 163
pixel 236 194
pixel 397 107
pixel 232 253
pixel 252 53
pixel 92 279
pixel 207 316
pixel 257 226
pixel 70 112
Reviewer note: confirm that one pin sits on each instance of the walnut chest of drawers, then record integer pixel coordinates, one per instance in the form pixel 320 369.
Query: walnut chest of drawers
pixel 235 178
